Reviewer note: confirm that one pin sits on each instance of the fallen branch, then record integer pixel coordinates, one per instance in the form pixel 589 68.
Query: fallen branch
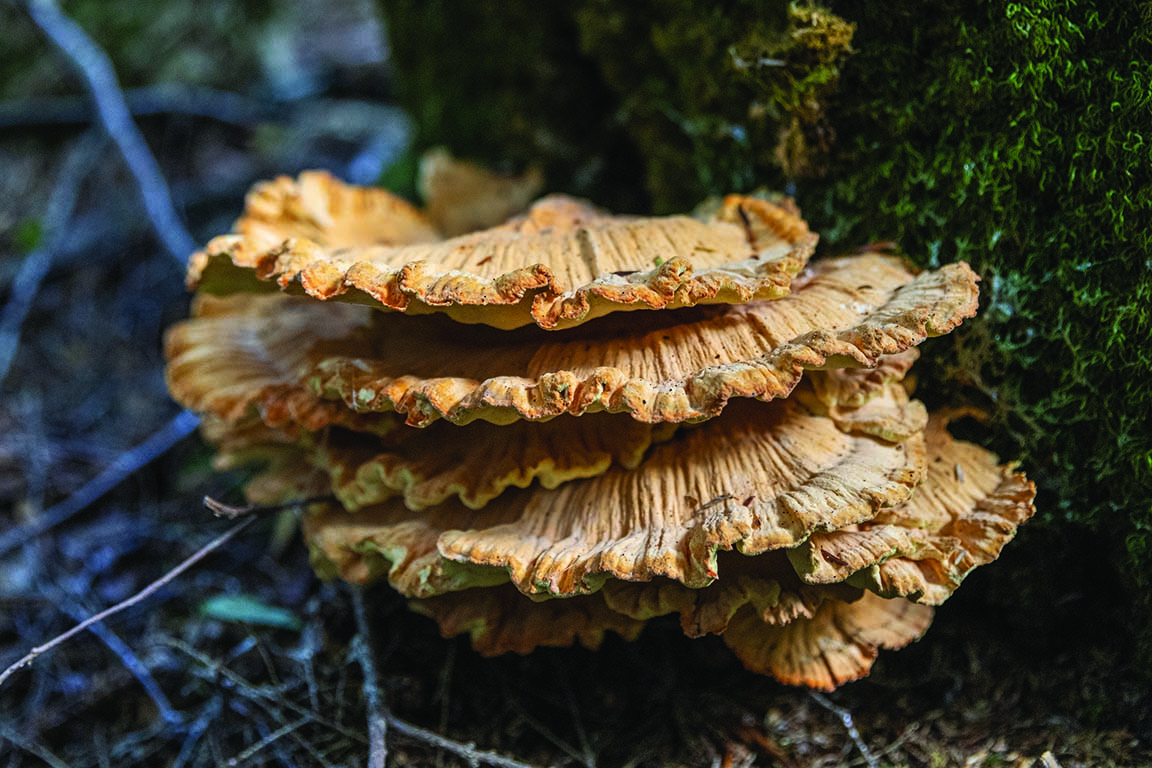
pixel 32 748
pixel 256 748
pixel 159 99
pixel 124 466
pixel 380 719
pixel 377 710
pixel 271 699
pixel 467 752
pixel 129 659
pixel 846 718
pixel 96 69
pixel 139 597
pixel 78 162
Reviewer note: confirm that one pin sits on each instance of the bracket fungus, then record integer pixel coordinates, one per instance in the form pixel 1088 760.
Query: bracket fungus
pixel 569 422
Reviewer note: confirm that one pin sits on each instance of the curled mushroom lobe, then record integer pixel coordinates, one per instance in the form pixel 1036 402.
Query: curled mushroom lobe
pixel 543 422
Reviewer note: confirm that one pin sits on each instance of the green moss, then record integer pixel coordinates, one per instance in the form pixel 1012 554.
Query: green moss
pixel 1019 137
pixel 719 97
pixel 1015 135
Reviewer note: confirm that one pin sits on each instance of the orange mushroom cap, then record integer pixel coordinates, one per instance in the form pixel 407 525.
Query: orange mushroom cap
pixel 562 263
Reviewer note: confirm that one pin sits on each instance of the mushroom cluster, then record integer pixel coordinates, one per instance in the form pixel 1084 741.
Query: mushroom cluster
pixel 568 422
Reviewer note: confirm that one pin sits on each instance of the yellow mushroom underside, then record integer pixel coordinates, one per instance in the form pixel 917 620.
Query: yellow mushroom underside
pixel 763 477
pixel 655 367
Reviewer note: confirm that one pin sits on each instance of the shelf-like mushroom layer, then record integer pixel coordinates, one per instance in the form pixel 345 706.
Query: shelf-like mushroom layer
pixel 558 265
pixel 742 453
pixel 763 477
pixel 478 462
pixel 817 636
pixel 501 620
pixel 967 510
pixel 667 366
pixel 240 359
pixel 837 645
pixel 657 367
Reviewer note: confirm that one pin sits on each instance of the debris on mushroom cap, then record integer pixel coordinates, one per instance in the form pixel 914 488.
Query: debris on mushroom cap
pixel 838 644
pixel 463 197
pixel 478 462
pixel 561 264
pixel 967 509
pixel 763 477
pixel 501 620
pixel 657 366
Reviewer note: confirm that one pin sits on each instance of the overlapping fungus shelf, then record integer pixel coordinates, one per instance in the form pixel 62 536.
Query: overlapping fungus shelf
pixel 567 422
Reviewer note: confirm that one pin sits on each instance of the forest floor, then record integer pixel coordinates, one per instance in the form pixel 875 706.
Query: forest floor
pixel 248 659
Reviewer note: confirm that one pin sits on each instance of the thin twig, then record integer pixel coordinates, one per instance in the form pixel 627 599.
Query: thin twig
pixel 588 754
pixel 229 512
pixel 208 715
pixel 377 709
pixel 260 694
pixel 466 752
pixel 125 465
pixel 78 162
pixel 380 718
pixel 846 718
pixel 140 596
pixel 39 750
pixel 259 746
pixel 158 99
pixel 544 731
pixel 130 661
pixel 100 77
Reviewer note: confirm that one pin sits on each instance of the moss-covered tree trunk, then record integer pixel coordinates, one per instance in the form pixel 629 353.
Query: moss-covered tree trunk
pixel 1016 135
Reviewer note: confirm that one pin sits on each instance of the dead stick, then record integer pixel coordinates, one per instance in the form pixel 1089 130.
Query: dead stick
pixel 377 710
pixel 220 509
pixel 140 596
pixel 78 162
pixel 118 471
pixel 846 718
pixel 380 718
pixel 99 75
pixel 466 751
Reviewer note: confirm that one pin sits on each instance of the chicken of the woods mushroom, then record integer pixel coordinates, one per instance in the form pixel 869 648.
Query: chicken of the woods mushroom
pixel 566 423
